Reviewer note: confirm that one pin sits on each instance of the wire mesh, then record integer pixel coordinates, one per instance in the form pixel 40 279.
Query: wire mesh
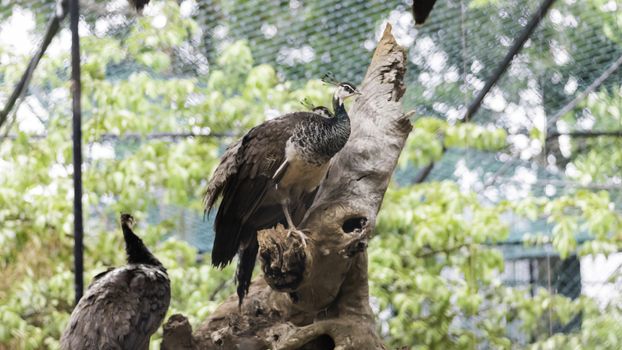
pixel 449 60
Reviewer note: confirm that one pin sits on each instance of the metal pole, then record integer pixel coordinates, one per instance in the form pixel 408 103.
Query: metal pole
pixel 22 85
pixel 579 97
pixel 501 68
pixel 516 47
pixel 74 12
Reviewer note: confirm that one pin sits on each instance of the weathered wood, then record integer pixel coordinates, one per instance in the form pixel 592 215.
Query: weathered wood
pixel 317 296
pixel 177 334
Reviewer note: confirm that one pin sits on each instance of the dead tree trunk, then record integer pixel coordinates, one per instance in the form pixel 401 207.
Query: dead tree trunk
pixel 317 297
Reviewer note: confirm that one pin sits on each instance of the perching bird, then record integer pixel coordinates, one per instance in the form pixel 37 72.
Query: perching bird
pixel 123 306
pixel 275 163
pixel 422 9
pixel 321 110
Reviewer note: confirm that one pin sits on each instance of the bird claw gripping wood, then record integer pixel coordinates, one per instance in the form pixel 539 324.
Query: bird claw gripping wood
pixel 356 241
pixel 283 263
pixel 300 234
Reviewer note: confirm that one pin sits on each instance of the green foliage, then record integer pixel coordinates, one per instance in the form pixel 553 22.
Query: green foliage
pixel 430 135
pixel 429 266
pixel 596 330
pixel 603 158
pixel 132 175
pixel 435 270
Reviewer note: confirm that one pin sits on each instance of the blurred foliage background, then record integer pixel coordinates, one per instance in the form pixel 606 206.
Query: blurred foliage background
pixel 511 242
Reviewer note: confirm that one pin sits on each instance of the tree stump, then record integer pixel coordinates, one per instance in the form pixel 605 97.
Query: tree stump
pixel 317 296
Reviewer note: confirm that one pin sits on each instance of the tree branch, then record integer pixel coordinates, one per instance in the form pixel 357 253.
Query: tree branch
pixel 423 173
pixel 584 134
pixel 572 184
pixel 431 252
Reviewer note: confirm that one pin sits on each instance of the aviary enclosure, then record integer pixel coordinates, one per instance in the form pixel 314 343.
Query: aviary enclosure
pixel 475 205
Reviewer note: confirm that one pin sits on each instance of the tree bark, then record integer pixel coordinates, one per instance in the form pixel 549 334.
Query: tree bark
pixel 316 296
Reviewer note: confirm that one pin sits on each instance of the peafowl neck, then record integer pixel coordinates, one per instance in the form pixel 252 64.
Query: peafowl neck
pixel 137 252
pixel 340 109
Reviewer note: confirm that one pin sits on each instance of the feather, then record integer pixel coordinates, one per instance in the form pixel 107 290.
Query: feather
pixel 242 179
pixel 224 171
pixel 245 179
pixel 278 175
pixel 122 307
pixel 137 252
pixel 244 273
pixel 102 274
pixel 120 310
pixel 240 200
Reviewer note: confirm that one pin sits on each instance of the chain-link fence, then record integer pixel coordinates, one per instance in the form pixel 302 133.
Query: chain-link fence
pixel 569 63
